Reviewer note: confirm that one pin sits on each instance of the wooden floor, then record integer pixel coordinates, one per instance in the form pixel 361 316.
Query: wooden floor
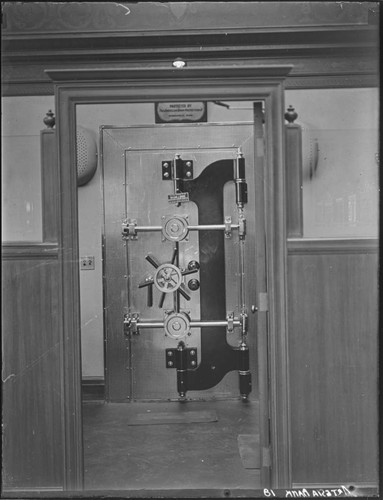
pixel 168 456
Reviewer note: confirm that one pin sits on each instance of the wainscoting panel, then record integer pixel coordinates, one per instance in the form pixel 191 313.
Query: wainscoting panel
pixel 333 315
pixel 32 388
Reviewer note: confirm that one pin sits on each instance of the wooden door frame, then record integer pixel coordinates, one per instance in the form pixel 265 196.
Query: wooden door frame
pixel 96 86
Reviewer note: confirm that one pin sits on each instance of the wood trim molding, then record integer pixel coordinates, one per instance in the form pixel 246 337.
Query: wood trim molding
pixel 323 56
pixel 70 295
pixel 149 85
pixel 333 81
pixel 41 87
pixel 309 246
pixel 26 251
pixel 168 76
pixel 336 31
pixel 294 205
pixel 275 227
pixel 304 38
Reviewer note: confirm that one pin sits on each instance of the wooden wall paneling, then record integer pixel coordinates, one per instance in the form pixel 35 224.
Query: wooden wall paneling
pixel 32 395
pixel 49 187
pixel 294 210
pixel 333 311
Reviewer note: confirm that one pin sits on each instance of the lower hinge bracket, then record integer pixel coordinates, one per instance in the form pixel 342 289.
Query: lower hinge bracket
pixel 191 358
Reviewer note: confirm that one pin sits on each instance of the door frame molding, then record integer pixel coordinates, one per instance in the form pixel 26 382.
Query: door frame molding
pixel 96 86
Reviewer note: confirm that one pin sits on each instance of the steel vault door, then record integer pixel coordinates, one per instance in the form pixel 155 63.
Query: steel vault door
pixel 179 261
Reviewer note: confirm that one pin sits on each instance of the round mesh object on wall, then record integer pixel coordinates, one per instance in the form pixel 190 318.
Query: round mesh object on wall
pixel 86 150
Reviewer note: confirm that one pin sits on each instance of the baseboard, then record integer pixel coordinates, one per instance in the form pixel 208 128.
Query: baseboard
pixel 93 389
pixel 32 492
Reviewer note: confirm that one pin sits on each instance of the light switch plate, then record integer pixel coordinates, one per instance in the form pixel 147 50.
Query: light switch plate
pixel 87 263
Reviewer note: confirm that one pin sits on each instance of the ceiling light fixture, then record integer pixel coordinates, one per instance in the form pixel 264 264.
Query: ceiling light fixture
pixel 179 63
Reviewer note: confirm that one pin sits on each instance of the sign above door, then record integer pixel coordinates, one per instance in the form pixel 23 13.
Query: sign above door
pixel 180 112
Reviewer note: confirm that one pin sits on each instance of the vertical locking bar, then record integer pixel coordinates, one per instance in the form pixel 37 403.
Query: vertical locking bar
pixel 240 181
pixel 177 171
pixel 181 365
pixel 244 371
pixel 176 261
pixel 149 296
pixel 243 351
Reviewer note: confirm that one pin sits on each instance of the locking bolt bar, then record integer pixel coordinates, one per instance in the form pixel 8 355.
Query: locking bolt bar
pixel 200 324
pixel 176 296
pixel 193 324
pixel 148 228
pixel 175 255
pixel 185 272
pixel 198 227
pixel 132 229
pixel 152 260
pixel 149 296
pixel 147 282
pixel 182 290
pixel 162 300
pixel 213 227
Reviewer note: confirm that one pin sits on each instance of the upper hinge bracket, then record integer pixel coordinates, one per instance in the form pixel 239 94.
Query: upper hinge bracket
pixel 177 169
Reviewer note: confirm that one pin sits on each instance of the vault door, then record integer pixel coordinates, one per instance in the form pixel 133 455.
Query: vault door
pixel 179 272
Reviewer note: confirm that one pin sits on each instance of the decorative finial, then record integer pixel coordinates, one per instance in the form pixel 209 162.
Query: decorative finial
pixel 49 120
pixel 291 115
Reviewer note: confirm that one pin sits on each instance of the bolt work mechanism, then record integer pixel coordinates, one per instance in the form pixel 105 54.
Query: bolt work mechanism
pixel 217 356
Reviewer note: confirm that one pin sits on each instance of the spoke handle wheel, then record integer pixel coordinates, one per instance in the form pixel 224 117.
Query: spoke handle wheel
pixel 167 278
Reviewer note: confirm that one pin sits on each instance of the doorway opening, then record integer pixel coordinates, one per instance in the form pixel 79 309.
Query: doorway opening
pixel 173 221
pixel 75 88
